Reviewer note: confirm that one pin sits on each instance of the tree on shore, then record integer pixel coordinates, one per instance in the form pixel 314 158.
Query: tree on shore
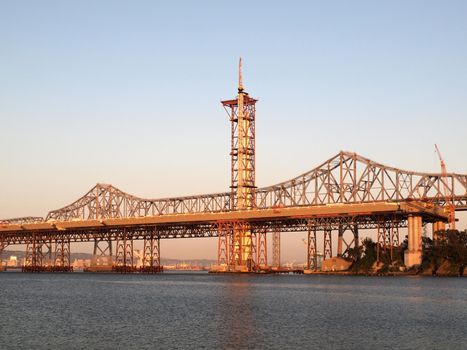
pixel 364 256
pixel 451 246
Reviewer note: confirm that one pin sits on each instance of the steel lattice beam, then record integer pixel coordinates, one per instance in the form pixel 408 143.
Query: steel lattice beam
pixel 344 178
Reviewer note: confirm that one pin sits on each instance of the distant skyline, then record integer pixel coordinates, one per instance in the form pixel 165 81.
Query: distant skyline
pixel 128 93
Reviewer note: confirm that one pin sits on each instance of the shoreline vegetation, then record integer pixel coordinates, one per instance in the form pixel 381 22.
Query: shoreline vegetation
pixel 444 256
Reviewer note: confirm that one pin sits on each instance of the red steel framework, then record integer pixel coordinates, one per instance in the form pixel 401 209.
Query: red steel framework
pixel 276 248
pixel 151 254
pixel 262 249
pixel 224 237
pixel 387 238
pixel 102 253
pixel 312 252
pixel 34 257
pixel 327 250
pixel 62 259
pixel 124 236
pixel 242 115
pixel 124 261
pixel 345 180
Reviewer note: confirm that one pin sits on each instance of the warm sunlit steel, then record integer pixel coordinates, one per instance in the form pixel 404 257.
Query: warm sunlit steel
pixel 346 193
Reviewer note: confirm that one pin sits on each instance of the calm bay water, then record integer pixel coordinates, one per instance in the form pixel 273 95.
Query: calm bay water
pixel 202 311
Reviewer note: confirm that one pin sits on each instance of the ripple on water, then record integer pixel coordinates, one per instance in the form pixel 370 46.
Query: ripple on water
pixel 79 311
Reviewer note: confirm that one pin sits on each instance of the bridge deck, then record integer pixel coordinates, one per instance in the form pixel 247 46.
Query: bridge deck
pixel 428 211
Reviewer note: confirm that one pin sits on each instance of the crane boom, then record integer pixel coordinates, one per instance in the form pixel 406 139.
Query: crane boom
pixel 441 160
pixel 447 191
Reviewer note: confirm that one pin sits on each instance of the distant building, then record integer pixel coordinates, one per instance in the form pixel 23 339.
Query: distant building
pixel 80 264
pixel 13 261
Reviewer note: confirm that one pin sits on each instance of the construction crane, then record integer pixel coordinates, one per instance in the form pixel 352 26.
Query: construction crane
pixel 447 192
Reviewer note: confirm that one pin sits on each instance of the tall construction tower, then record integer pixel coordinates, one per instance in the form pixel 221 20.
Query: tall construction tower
pixel 242 113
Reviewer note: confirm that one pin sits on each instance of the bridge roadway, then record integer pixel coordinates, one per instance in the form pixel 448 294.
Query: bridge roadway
pixel 367 215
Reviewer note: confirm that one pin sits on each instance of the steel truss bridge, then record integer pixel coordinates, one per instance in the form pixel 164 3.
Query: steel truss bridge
pixel 345 194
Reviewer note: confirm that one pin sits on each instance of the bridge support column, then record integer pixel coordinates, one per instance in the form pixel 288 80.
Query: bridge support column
pixel 234 249
pixel 437 226
pixel 151 254
pixel 124 262
pixel 224 234
pixel 383 239
pixel 276 248
pixel 34 258
pixel 352 244
pixel 62 258
pixel 242 248
pixel 251 262
pixel 262 249
pixel 47 255
pixel 102 254
pixel 394 239
pixel 356 236
pixel 413 255
pixel 340 240
pixel 388 240
pixel 312 255
pixel 327 251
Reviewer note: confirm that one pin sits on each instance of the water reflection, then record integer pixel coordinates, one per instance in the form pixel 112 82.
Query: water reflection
pixel 237 312
pixel 180 311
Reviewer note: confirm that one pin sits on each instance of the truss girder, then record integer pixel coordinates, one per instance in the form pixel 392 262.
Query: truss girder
pixel 169 231
pixel 23 220
pixel 344 178
pixel 105 201
pixel 350 178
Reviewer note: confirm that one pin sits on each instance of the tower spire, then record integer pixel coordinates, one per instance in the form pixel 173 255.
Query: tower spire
pixel 242 254
pixel 240 77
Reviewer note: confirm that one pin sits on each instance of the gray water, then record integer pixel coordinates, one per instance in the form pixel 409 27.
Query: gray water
pixel 202 311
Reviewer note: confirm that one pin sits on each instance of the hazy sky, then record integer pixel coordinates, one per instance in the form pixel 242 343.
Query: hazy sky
pixel 128 93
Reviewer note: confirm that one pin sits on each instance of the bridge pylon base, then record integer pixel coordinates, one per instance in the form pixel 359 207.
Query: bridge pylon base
pixel 413 255
pixel 124 269
pixel 151 269
pixel 412 258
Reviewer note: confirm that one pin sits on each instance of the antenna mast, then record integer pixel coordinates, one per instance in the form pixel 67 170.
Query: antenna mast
pixel 240 77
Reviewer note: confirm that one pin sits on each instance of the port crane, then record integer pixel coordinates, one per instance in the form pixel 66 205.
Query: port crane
pixel 450 208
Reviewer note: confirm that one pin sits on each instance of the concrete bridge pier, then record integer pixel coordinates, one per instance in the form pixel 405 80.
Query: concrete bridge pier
pixel 437 226
pixel 413 255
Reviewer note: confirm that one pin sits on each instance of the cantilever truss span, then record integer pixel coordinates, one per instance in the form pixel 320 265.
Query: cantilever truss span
pixel 347 192
pixel 342 179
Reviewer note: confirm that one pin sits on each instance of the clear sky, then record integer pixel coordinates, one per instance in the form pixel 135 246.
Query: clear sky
pixel 128 92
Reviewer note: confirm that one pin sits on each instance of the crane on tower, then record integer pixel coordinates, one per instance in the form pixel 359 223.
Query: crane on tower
pixel 447 192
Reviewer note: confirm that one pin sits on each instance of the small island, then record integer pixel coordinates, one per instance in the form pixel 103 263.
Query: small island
pixel 446 255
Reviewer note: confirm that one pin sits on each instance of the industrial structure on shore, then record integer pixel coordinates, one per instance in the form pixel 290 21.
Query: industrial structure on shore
pixel 340 198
